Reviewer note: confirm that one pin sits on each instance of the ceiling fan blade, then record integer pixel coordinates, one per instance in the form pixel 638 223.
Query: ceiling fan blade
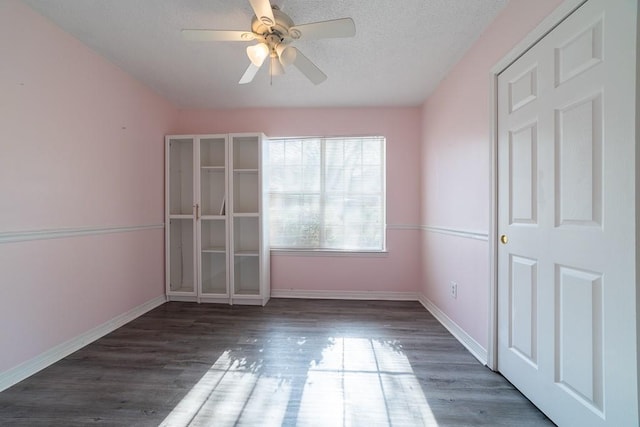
pixel 344 27
pixel 217 35
pixel 308 68
pixel 249 74
pixel 262 9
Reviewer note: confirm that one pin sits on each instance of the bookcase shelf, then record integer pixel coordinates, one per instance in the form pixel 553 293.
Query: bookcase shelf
pixel 221 250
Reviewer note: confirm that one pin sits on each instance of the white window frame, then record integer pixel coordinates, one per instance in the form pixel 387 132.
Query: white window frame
pixel 310 251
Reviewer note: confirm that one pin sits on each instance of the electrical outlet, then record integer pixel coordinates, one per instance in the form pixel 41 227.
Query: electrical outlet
pixel 454 290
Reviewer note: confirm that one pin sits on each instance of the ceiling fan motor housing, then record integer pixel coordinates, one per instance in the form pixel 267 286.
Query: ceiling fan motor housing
pixel 280 28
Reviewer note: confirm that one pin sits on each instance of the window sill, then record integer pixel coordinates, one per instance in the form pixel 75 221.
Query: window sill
pixel 328 253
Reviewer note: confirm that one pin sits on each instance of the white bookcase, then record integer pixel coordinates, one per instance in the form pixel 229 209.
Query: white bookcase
pixel 217 245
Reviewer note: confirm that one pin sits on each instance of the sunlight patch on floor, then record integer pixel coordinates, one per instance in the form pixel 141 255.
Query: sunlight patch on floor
pixel 356 382
pixel 372 383
pixel 228 392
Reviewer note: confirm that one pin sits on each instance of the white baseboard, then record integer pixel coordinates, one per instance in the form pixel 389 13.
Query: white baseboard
pixel 465 339
pixel 356 295
pixel 30 367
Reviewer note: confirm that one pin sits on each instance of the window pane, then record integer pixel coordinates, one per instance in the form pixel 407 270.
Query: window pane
pixel 277 180
pixel 295 220
pixel 327 193
pixel 311 152
pixel 334 151
pixel 293 152
pixel 370 237
pixel 276 152
pixel 311 178
pixel 353 182
pixel 334 210
pixel 371 152
pixel 293 178
pixel 371 179
pixel 353 212
pixel 353 152
pixel 334 237
pixel 334 179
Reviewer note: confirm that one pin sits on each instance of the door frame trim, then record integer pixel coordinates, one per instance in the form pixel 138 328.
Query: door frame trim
pixel 552 20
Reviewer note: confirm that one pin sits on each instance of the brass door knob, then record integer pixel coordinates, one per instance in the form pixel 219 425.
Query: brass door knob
pixel 504 239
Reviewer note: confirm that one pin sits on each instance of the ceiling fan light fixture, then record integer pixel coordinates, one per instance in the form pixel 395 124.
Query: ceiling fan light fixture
pixel 258 53
pixel 287 54
pixel 276 67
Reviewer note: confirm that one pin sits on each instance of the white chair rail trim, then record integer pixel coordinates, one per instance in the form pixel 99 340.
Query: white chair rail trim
pixel 58 233
pixel 468 234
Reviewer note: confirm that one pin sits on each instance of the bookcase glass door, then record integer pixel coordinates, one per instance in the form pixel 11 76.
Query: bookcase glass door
pixel 246 256
pixel 181 176
pixel 246 275
pixel 213 261
pixel 213 177
pixel 181 256
pixel 245 233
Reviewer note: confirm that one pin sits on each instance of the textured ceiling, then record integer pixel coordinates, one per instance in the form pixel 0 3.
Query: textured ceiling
pixel 401 51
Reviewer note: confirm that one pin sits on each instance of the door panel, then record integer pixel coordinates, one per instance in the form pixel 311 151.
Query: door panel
pixel 567 328
pixel 579 163
pixel 523 89
pixel 522 309
pixel 579 334
pixel 523 161
pixel 579 53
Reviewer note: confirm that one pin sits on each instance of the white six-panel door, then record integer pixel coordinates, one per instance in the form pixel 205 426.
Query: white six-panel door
pixel 566 209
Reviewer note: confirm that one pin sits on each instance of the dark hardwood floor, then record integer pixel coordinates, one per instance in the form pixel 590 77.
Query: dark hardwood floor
pixel 292 362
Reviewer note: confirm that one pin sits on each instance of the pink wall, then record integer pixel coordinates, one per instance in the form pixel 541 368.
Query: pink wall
pixel 81 146
pixel 398 271
pixel 455 166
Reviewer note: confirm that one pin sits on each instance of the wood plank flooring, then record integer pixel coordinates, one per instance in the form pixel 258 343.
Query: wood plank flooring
pixel 290 363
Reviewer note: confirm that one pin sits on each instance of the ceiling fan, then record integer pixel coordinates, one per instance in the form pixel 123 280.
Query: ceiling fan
pixel 275 31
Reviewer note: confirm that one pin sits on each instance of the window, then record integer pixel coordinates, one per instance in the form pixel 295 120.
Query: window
pixel 327 193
